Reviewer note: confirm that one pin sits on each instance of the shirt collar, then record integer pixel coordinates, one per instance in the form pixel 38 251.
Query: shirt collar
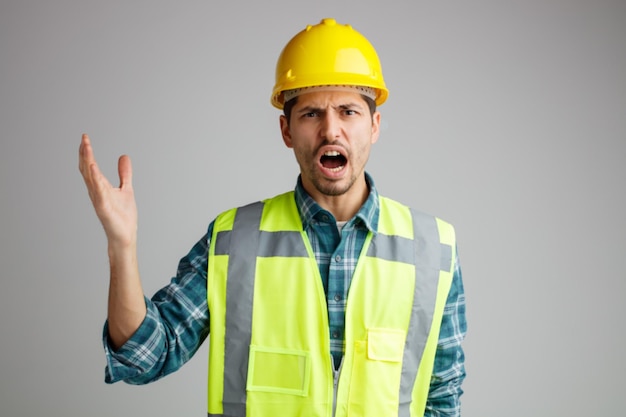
pixel 367 214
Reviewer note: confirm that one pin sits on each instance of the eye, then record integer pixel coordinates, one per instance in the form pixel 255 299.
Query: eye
pixel 309 114
pixel 350 110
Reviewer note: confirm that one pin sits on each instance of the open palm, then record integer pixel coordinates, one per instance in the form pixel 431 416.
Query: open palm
pixel 114 206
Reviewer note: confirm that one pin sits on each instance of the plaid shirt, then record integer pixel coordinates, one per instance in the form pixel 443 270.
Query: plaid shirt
pixel 177 321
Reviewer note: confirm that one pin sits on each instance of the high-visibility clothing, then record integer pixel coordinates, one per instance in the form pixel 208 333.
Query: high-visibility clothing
pixel 269 345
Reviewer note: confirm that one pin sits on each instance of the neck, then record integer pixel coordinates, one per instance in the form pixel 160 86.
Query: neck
pixel 343 206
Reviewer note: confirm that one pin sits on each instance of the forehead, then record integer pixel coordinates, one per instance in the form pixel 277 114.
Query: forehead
pixel 323 99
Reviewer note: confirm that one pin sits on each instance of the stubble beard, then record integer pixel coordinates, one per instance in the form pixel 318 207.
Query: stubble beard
pixel 327 187
pixel 333 188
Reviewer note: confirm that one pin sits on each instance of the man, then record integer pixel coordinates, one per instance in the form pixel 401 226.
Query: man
pixel 328 300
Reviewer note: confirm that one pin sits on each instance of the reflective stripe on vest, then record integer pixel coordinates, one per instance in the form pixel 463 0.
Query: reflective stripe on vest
pixel 251 241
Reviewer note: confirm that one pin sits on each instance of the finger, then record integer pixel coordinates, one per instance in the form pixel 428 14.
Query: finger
pixel 81 150
pixel 94 179
pixel 98 184
pixel 125 171
pixel 85 156
pixel 97 180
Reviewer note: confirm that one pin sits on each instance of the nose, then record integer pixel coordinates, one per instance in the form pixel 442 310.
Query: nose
pixel 331 126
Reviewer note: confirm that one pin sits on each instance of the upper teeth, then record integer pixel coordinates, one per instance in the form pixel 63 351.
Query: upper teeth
pixel 331 153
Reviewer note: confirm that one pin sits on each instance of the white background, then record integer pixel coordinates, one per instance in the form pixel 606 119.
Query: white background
pixel 506 118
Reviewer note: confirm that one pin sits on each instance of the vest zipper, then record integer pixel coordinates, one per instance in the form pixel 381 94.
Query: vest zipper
pixel 336 374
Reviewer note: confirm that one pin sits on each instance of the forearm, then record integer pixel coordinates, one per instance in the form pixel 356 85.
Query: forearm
pixel 175 325
pixel 126 305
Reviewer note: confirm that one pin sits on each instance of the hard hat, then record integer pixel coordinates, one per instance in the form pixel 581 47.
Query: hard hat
pixel 328 54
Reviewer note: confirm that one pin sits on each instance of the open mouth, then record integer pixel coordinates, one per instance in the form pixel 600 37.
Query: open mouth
pixel 333 160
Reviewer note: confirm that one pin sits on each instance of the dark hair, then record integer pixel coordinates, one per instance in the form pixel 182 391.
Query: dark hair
pixel 371 104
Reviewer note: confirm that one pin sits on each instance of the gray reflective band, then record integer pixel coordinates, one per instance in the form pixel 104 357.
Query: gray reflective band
pixel 285 244
pixel 446 257
pixel 392 248
pixel 222 243
pixel 244 244
pixel 270 244
pixel 429 255
pixel 239 296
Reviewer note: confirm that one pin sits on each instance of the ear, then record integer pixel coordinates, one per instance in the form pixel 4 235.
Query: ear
pixel 375 127
pixel 284 130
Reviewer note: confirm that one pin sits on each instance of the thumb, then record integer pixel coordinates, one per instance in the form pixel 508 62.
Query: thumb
pixel 125 171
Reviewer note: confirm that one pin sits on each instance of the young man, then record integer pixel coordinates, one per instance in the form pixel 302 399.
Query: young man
pixel 329 300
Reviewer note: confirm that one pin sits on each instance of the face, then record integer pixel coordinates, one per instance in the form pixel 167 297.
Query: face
pixel 331 134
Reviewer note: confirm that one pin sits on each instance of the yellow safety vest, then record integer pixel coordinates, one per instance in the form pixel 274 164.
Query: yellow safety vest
pixel 269 346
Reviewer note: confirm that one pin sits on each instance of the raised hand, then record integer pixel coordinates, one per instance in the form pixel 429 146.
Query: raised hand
pixel 115 207
pixel 117 211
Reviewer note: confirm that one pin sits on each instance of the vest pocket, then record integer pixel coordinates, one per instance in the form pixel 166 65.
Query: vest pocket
pixel 277 370
pixel 376 372
pixel 385 344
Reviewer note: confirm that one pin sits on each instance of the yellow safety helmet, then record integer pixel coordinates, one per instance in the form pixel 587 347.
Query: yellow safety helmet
pixel 328 54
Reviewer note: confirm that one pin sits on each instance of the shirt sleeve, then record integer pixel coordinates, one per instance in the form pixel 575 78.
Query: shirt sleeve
pixel 449 368
pixel 176 324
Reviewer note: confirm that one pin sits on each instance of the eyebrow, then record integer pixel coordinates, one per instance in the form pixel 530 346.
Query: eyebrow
pixel 317 109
